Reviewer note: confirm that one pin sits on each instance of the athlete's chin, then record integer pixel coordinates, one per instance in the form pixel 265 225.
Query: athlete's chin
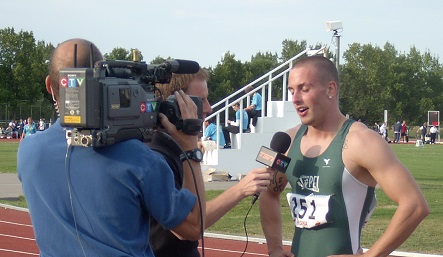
pixel 306 121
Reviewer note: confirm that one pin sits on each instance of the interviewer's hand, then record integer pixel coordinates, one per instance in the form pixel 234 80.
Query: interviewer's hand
pixel 256 181
pixel 188 110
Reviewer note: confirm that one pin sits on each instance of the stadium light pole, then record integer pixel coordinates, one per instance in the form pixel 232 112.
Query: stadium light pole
pixel 337 27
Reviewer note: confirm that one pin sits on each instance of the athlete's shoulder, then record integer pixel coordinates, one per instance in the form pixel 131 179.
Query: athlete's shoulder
pixel 293 131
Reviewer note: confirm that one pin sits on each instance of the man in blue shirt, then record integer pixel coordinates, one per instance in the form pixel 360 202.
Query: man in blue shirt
pixel 234 126
pixel 211 132
pixel 254 110
pixel 29 128
pixel 86 201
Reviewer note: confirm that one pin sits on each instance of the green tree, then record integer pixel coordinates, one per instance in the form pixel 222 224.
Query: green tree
pixel 227 77
pixel 291 48
pixel 22 69
pixel 119 53
pixel 260 64
pixel 375 79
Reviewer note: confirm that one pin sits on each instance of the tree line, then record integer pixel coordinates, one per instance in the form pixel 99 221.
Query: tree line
pixel 372 79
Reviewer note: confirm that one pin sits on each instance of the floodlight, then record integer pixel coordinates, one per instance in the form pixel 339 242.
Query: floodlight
pixel 333 25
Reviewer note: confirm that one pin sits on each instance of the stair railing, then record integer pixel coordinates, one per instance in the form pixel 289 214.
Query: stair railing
pixel 228 101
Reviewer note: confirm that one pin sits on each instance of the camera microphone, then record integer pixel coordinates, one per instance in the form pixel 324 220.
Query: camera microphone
pixel 181 66
pixel 274 157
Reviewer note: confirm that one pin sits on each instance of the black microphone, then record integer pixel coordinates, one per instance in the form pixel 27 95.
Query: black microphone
pixel 181 66
pixel 274 157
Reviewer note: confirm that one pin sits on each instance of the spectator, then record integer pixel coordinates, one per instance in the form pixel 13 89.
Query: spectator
pixel 233 126
pixel 211 132
pixel 384 131
pixel 423 132
pixel 253 110
pixel 397 131
pixel 20 125
pixel 433 130
pixel 29 129
pixel 41 124
pixel 377 127
pixel 404 132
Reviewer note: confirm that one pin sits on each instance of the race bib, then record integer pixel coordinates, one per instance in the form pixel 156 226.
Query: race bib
pixel 308 211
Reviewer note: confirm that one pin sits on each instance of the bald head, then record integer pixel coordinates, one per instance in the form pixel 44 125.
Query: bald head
pixel 63 57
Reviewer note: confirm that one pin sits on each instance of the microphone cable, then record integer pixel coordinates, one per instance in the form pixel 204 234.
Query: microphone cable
pixel 199 203
pixel 244 224
pixel 196 191
pixel 68 180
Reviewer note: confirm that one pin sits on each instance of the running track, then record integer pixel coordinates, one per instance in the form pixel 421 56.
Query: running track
pixel 17 239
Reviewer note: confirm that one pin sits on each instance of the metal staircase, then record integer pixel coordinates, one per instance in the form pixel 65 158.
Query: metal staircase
pixel 279 115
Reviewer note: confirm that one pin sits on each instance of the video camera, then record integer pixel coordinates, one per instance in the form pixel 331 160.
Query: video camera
pixel 116 100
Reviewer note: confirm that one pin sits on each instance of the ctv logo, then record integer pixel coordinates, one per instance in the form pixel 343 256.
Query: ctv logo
pixel 281 163
pixel 71 81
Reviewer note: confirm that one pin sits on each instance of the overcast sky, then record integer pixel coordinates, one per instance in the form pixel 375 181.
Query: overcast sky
pixel 203 30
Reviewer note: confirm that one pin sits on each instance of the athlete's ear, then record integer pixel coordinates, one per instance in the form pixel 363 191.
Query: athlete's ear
pixel 332 89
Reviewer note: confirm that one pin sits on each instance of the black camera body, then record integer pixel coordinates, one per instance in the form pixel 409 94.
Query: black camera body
pixel 117 100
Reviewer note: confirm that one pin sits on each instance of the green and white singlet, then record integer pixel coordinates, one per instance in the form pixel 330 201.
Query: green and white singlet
pixel 328 204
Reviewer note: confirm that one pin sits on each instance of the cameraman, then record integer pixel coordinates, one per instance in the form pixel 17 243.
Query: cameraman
pixel 163 242
pixel 86 201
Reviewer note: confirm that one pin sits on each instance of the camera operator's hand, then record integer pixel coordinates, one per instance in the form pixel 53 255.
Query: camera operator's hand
pixel 188 110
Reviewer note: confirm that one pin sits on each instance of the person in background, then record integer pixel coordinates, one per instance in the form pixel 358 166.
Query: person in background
pixel 377 127
pixel 433 130
pixel 423 130
pixel 254 109
pixel 29 128
pixel 397 132
pixel 234 126
pixel 87 201
pixel 404 131
pixel 41 124
pixel 333 181
pixel 165 243
pixel 20 125
pixel 211 132
pixel 384 131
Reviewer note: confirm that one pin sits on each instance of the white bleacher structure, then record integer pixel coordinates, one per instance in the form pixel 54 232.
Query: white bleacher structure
pixel 277 115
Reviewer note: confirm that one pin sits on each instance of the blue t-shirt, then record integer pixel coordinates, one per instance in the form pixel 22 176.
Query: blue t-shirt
pixel 245 118
pixel 29 129
pixel 113 189
pixel 211 131
pixel 256 101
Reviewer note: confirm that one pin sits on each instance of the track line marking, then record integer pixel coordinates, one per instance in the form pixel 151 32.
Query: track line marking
pixel 12 251
pixel 230 251
pixel 13 223
pixel 18 237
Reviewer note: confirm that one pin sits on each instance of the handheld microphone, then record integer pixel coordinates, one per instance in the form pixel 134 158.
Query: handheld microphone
pixel 181 66
pixel 274 157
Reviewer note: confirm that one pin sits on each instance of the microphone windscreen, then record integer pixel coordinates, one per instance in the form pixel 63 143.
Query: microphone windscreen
pixel 280 142
pixel 187 67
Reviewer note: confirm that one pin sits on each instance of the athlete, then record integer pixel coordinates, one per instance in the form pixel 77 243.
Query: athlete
pixel 336 165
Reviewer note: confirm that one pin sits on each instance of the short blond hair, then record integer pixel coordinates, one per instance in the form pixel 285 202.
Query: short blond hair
pixel 181 82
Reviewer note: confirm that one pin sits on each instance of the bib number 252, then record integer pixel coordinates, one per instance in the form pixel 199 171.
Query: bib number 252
pixel 308 211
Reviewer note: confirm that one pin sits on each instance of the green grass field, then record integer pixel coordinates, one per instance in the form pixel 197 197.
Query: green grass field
pixel 424 163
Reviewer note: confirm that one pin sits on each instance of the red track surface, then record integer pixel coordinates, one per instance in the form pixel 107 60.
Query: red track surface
pixel 17 239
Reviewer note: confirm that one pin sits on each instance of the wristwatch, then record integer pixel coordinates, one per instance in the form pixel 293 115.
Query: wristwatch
pixel 195 154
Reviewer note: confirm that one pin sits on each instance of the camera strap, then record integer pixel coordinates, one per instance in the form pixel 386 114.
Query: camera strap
pixel 191 126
